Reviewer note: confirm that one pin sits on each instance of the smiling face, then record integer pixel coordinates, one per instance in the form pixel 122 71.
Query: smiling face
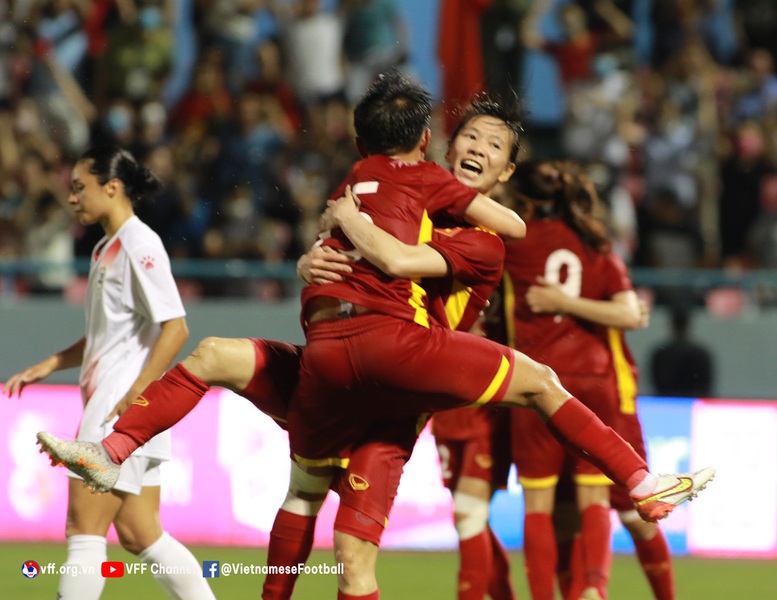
pixel 91 201
pixel 479 155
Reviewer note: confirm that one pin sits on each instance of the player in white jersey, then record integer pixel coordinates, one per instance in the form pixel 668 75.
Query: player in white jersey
pixel 135 326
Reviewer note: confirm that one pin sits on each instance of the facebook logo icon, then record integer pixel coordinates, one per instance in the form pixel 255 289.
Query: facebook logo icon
pixel 211 568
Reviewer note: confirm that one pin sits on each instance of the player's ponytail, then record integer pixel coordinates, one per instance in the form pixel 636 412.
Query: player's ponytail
pixel 112 162
pixel 561 192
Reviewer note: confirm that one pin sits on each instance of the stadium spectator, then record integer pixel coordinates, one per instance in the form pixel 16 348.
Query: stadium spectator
pixel 312 38
pixel 135 327
pixel 374 40
pixel 742 177
pixel 679 366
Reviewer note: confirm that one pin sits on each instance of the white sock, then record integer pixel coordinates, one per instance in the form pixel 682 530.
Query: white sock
pixel 85 555
pixel 644 487
pixel 176 570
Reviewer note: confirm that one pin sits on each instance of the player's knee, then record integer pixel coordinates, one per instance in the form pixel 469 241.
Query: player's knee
pixel 638 529
pixel 546 391
pixel 470 515
pixel 307 490
pixel 204 359
pixel 132 543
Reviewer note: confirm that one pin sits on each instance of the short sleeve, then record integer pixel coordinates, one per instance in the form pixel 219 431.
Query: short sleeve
pixel 154 291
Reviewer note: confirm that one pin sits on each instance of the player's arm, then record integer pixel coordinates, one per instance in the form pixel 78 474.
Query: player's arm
pixel 172 337
pixel 622 310
pixel 387 253
pixel 323 264
pixel 489 214
pixel 68 358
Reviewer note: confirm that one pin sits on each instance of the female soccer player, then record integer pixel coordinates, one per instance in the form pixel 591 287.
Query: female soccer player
pixel 135 325
pixel 569 299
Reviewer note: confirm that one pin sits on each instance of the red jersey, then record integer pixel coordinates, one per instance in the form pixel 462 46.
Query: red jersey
pixel 475 259
pixel 456 302
pixel 402 199
pixel 554 251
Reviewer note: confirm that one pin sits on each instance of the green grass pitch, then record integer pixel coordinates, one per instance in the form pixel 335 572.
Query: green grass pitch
pixel 402 575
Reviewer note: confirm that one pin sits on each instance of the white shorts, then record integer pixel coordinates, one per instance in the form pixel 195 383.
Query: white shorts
pixel 136 473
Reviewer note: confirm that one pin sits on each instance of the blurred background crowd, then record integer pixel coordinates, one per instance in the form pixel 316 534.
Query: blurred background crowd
pixel 243 108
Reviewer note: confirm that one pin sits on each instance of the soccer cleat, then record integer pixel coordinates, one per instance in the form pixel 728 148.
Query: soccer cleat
pixel 90 460
pixel 671 491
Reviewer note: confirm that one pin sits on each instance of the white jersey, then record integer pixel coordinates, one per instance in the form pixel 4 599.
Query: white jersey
pixel 131 291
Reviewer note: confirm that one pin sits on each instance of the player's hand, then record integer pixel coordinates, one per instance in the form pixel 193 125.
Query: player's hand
pixel 338 210
pixel 545 297
pixel 18 382
pixel 644 314
pixel 323 265
pixel 121 406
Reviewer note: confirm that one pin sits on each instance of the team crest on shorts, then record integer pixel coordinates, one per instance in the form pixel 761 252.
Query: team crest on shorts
pixel 484 461
pixel 358 483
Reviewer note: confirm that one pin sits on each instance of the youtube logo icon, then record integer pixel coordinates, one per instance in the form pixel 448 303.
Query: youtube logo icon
pixel 112 568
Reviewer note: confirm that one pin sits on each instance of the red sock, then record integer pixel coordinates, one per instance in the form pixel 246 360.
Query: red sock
pixel 167 401
pixel 656 562
pixel 500 586
pixel 474 555
pixel 564 551
pixel 595 539
pixel 373 596
pixel 577 580
pixel 580 429
pixel 539 549
pixel 291 540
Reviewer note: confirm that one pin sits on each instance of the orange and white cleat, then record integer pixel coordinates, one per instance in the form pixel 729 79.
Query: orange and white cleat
pixel 90 460
pixel 671 491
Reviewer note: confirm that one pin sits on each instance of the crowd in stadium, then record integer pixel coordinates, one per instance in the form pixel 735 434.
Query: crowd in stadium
pixel 243 108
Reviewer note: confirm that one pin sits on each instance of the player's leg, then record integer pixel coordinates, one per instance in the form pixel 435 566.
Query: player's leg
pixel 471 499
pixel 367 489
pixel 263 371
pixel 593 504
pixel 539 546
pixel 536 386
pixel 140 532
pixel 358 557
pixel 650 543
pixel 539 458
pixel 566 525
pixel 215 361
pixel 291 537
pixel 653 554
pixel 88 518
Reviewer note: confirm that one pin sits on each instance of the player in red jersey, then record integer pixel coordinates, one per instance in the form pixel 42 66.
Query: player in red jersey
pixel 570 299
pixel 473 443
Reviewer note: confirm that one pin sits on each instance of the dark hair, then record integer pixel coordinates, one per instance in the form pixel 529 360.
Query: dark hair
pixel 506 108
pixel 570 197
pixel 112 162
pixel 393 114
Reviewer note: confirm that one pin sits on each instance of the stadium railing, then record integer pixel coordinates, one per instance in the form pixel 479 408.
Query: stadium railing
pixel 759 284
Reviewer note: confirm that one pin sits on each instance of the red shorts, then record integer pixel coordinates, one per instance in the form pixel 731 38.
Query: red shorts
pixel 486 456
pixel 467 423
pixel 360 371
pixel 540 457
pixel 276 374
pixel 368 486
